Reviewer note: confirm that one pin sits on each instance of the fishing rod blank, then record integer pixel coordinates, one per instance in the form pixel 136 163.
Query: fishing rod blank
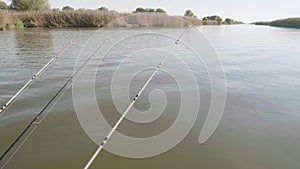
pixel 34 121
pixel 34 77
pixel 133 101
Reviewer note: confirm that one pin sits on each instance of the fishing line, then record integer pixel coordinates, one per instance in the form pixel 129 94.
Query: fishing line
pixel 91 160
pixel 34 121
pixel 33 78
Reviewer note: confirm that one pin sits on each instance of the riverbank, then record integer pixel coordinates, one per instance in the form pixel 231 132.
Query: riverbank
pixel 89 18
pixel 56 19
pixel 93 18
pixel 284 23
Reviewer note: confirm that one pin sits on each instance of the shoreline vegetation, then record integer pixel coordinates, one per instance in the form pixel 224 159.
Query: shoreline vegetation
pixel 284 23
pixel 11 19
pixel 17 17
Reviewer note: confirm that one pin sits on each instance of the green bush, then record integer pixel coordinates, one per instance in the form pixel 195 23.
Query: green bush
pixel 104 9
pixel 139 9
pixel 3 5
pixel 160 10
pixel 18 24
pixel 205 19
pixel 67 8
pixel 151 10
pixel 36 5
pixel 229 21
pixel 214 18
pixel 189 13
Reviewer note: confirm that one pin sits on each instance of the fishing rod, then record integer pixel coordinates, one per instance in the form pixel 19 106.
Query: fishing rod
pixel 34 121
pixel 158 67
pixel 33 78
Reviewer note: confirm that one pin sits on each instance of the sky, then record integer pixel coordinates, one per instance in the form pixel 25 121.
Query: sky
pixel 242 10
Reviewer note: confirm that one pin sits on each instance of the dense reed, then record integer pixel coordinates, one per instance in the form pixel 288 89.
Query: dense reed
pixel 93 18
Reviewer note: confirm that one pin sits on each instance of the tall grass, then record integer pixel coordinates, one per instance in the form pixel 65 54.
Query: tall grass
pixel 60 19
pixel 4 19
pixel 153 20
pixel 8 21
pixel 92 18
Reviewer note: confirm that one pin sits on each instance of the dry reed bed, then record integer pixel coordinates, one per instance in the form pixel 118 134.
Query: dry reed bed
pixel 93 18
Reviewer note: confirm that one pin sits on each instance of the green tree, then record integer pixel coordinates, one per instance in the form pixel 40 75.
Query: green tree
pixel 216 18
pixel 229 21
pixel 104 9
pixel 3 5
pixel 139 9
pixel 205 18
pixel 67 8
pixel 149 10
pixel 24 5
pixel 189 13
pixel 160 10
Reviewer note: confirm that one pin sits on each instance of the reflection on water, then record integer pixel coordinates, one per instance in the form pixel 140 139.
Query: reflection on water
pixel 33 44
pixel 260 127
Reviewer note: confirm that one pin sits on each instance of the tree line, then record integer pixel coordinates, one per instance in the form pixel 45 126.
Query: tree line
pixel 38 5
pixel 144 10
pixel 220 20
pixel 24 5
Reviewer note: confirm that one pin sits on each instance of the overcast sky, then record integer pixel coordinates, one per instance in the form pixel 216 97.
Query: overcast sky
pixel 244 10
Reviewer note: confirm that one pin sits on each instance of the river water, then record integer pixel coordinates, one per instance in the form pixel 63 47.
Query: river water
pixel 260 124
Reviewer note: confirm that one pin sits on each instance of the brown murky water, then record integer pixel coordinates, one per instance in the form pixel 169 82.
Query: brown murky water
pixel 259 129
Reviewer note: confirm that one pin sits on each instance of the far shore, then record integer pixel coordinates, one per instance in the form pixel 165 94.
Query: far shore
pixel 284 23
pixel 10 19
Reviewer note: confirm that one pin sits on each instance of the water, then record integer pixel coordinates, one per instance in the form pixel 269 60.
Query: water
pixel 259 129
